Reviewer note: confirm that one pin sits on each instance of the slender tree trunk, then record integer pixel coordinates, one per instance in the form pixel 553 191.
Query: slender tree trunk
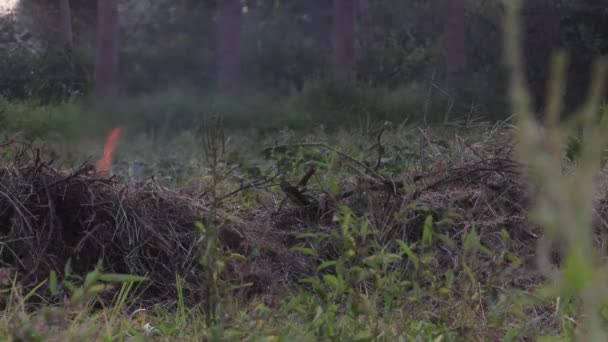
pixel 542 21
pixel 365 24
pixel 65 22
pixel 106 64
pixel 454 28
pixel 344 38
pixel 229 27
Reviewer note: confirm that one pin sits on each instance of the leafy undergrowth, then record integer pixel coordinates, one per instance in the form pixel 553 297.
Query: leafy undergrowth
pixel 476 233
pixel 397 234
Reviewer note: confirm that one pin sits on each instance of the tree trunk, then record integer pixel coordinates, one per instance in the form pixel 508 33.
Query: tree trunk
pixel 542 21
pixel 106 64
pixel 344 38
pixel 365 24
pixel 65 22
pixel 454 28
pixel 229 26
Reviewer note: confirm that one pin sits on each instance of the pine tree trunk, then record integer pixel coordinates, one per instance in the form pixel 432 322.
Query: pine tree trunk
pixel 65 22
pixel 454 26
pixel 229 26
pixel 542 21
pixel 106 64
pixel 344 38
pixel 365 24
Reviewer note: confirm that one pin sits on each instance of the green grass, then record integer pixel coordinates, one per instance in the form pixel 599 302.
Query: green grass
pixel 367 285
pixel 329 103
pixel 370 282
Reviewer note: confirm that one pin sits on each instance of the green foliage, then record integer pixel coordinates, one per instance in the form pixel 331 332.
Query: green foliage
pixel 434 282
pixel 329 103
pixel 79 297
pixel 368 284
pixel 573 148
pixel 37 122
pixel 50 77
pixel 337 104
pixel 286 45
pixel 368 279
pixel 93 285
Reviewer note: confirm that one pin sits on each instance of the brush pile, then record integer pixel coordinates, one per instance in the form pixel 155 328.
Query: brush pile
pixel 479 186
pixel 464 189
pixel 49 217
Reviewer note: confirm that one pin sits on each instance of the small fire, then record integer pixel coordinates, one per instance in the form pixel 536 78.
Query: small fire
pixel 104 166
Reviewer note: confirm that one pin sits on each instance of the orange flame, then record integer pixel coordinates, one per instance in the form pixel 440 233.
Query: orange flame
pixel 105 164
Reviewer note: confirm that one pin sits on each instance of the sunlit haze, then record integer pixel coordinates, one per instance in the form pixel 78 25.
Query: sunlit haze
pixel 7 4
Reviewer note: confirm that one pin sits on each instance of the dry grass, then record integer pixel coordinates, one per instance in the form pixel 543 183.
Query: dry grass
pixel 48 217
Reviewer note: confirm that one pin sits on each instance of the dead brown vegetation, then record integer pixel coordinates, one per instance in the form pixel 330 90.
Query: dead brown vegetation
pixel 48 217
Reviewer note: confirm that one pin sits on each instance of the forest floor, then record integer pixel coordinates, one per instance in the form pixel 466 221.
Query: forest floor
pixel 393 233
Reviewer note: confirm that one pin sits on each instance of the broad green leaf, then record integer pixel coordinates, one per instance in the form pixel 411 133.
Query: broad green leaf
pixel 304 250
pixel 334 186
pixel 67 270
pixel 506 237
pixel 306 236
pixel 410 254
pixel 326 265
pixel 331 280
pixel 77 295
pixel 121 278
pixel 512 258
pixel 346 218
pixel 364 229
pixel 470 241
pixel 201 227
pixel 363 336
pixel 381 259
pixel 91 278
pixel 427 232
pixel 97 289
pixel 236 256
pixel 53 284
pixel 70 286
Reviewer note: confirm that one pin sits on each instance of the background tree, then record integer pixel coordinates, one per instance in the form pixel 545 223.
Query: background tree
pixel 229 27
pixel 48 21
pixel 288 47
pixel 286 43
pixel 344 58
pixel 542 38
pixel 583 27
pixel 106 63
pixel 454 37
pixel 65 21
pixel 365 23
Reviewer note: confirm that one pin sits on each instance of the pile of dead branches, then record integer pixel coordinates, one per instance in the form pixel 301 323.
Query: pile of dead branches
pixel 477 188
pixel 49 218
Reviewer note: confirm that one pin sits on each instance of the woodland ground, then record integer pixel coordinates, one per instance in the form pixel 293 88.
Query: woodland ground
pixel 389 233
pixel 466 232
